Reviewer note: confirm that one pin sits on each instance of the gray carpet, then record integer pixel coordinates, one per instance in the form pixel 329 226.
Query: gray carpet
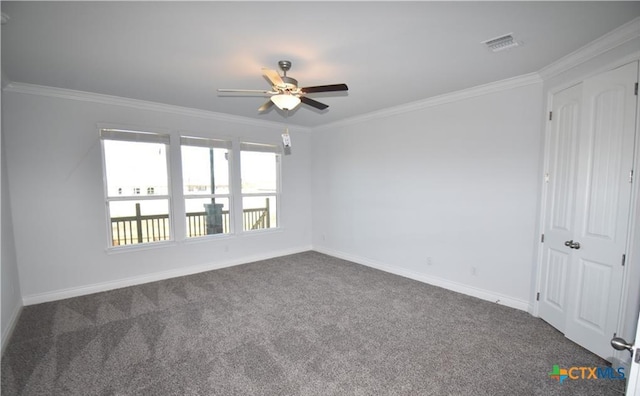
pixel 305 324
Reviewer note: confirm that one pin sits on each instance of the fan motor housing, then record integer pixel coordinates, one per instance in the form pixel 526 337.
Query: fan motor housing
pixel 290 83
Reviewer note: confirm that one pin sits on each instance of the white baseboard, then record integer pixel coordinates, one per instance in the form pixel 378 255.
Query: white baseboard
pixel 432 280
pixel 111 285
pixel 13 320
pixel 157 276
pixel 616 362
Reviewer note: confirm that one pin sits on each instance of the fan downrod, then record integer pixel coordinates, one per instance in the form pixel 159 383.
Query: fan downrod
pixel 285 65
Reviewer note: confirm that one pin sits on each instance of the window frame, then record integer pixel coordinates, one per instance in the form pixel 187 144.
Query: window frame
pixel 136 135
pixel 175 197
pixel 252 146
pixel 199 141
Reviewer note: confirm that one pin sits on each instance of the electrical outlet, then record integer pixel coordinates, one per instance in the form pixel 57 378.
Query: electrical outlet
pixel 474 271
pixel 429 261
pixel 324 237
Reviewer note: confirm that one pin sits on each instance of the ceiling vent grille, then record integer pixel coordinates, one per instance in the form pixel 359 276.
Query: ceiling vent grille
pixel 501 43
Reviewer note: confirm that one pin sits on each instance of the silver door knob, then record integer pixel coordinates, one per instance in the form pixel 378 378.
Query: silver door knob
pixel 572 244
pixel 621 344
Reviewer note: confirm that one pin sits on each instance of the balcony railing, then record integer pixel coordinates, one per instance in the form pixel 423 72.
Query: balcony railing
pixel 140 228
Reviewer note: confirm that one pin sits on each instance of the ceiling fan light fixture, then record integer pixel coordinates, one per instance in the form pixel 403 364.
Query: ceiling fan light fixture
pixel 285 101
pixel 285 93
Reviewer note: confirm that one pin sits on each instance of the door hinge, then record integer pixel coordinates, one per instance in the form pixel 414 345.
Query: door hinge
pixel 542 238
pixel 550 115
pixel 538 296
pixel 636 89
pixel 624 258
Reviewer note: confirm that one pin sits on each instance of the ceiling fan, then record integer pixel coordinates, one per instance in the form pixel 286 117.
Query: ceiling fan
pixel 285 93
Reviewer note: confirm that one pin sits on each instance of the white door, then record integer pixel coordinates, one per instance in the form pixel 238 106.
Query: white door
pixel 560 205
pixel 582 275
pixel 603 202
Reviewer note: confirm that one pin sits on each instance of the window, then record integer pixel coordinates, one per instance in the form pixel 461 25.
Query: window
pixel 260 175
pixel 134 163
pixel 205 179
pixel 219 198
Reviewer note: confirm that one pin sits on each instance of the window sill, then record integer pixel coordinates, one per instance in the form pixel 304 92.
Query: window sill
pixel 208 238
pixel 190 241
pixel 261 231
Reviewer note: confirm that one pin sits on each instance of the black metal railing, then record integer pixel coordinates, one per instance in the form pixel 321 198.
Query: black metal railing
pixel 140 228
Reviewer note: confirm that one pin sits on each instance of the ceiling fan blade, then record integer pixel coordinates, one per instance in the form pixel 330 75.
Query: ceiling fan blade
pixel 274 77
pixel 260 91
pixel 325 88
pixel 266 106
pixel 313 103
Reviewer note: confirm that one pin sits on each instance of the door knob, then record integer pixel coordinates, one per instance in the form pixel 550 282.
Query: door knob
pixel 620 344
pixel 572 244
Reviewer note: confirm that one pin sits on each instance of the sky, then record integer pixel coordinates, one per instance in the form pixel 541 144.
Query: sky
pixel 140 169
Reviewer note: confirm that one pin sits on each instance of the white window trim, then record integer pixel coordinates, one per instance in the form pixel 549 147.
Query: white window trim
pixel 244 145
pixel 146 135
pixel 176 197
pixel 209 142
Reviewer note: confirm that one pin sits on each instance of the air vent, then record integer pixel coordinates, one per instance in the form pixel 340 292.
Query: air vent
pixel 501 43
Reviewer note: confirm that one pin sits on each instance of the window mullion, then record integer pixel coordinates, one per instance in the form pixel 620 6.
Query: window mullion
pixel 236 187
pixel 264 194
pixel 138 198
pixel 177 203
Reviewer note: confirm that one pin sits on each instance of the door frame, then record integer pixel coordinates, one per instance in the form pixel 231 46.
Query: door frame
pixel 630 296
pixel 633 374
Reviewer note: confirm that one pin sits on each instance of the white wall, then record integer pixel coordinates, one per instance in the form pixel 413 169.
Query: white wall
pixel 456 182
pixel 11 297
pixel 54 168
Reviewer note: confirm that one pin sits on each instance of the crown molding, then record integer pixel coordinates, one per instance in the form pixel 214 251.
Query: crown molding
pixel 41 90
pixel 497 86
pixel 609 41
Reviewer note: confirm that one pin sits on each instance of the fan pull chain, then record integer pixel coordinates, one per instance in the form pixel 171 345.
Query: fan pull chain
pixel 286 138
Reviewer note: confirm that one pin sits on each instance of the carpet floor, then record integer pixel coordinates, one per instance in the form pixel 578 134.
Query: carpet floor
pixel 305 324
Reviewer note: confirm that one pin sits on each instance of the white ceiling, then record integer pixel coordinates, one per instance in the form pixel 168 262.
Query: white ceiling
pixel 389 53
